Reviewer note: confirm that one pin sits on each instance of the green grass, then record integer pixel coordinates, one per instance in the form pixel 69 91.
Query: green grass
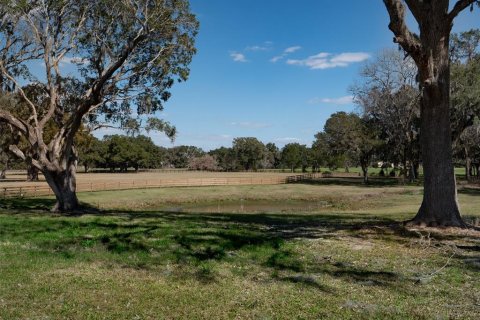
pixel 249 252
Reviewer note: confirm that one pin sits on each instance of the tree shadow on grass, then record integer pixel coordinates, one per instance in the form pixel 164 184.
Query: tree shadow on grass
pixel 193 239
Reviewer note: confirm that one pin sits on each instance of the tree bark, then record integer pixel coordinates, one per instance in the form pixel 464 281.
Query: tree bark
pixel 64 184
pixel 439 206
pixel 430 51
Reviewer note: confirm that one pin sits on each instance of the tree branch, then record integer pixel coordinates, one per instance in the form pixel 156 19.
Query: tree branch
pixel 21 126
pixel 403 36
pixel 459 7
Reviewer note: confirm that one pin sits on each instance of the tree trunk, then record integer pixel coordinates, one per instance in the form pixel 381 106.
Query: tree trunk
pixel 64 184
pixel 412 176
pixel 365 173
pixel 439 206
pixel 468 166
pixel 32 173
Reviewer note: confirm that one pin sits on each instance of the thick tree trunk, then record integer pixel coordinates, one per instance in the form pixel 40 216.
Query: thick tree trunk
pixel 440 205
pixel 64 185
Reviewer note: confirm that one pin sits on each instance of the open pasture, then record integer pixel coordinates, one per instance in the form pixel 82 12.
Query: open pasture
pixel 310 251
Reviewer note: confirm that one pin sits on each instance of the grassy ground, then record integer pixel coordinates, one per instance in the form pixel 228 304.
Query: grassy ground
pixel 250 252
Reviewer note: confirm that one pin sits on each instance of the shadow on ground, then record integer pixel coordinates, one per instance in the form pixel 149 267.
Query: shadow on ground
pixel 193 239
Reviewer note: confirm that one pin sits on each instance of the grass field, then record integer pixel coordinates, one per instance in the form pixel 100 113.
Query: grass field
pixel 294 251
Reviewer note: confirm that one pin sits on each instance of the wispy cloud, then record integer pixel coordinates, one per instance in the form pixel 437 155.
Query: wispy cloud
pixel 267 45
pixel 238 57
pixel 277 58
pixel 250 125
pixel 292 49
pixel 325 60
pixel 285 53
pixel 337 101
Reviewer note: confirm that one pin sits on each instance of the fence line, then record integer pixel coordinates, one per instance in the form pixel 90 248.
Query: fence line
pixel 36 191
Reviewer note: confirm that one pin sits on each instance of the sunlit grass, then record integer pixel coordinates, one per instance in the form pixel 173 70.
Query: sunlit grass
pixel 250 252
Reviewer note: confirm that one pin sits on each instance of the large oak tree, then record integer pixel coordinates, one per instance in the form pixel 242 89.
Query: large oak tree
pixel 102 61
pixel 430 51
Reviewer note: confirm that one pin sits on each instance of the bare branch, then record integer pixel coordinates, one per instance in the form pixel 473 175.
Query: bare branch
pixel 416 7
pixel 21 126
pixel 16 151
pixel 403 36
pixel 22 93
pixel 459 7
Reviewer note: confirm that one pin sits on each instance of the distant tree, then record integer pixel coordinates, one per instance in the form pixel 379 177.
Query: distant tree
pixel 91 151
pixel 430 51
pixel 465 92
pixel 153 156
pixel 293 155
pixel 341 136
pixel 249 152
pixel 127 54
pixel 387 94
pixel 322 155
pixel 204 163
pixel 353 137
pixel 470 142
pixel 180 156
pixel 272 156
pixel 123 152
pixel 226 158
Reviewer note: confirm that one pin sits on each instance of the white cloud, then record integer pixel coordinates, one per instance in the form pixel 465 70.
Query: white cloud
pixel 238 57
pixel 277 58
pixel 338 101
pixel 326 60
pixel 285 53
pixel 292 49
pixel 250 125
pixel 350 57
pixel 267 45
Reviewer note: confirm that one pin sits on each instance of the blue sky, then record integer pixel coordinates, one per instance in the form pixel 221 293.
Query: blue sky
pixel 275 69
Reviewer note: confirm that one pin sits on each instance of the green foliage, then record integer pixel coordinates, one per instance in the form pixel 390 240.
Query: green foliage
pixel 226 158
pixel 249 152
pixel 180 157
pixel 295 155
